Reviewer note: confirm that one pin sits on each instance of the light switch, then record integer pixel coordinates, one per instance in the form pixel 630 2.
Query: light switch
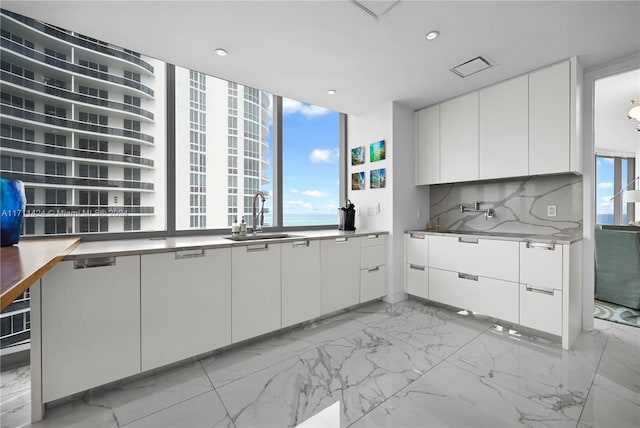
pixel 551 210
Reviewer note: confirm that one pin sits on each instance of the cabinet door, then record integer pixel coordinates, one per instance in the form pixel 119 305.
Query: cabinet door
pixel 459 139
pixel 90 324
pixel 428 148
pixel 504 129
pixel 549 119
pixel 490 258
pixel 373 283
pixel 255 290
pixel 339 273
pixel 541 264
pixel 541 308
pixel 487 296
pixel 416 249
pixel 186 302
pixel 300 281
pixel 371 257
pixel 417 280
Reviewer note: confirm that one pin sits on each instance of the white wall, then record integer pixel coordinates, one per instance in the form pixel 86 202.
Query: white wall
pixel 395 207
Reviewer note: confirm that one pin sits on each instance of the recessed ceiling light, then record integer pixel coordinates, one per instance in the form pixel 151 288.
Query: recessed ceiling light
pixel 432 35
pixel 222 52
pixel 331 91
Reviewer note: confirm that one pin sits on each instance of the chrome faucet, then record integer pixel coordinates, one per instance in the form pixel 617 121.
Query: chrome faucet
pixel 488 213
pixel 255 215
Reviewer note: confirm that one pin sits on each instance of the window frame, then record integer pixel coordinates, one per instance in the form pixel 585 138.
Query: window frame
pixel 170 200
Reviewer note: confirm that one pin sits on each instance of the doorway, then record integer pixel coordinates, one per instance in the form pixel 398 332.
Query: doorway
pixel 616 234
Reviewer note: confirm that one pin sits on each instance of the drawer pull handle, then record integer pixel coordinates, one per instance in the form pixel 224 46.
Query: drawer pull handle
pixel 416 236
pixel 94 262
pixel 467 240
pixel 373 236
pixel 375 269
pixel 300 244
pixel 467 276
pixel 416 267
pixel 342 239
pixel 252 248
pixel 541 246
pixel 189 254
pixel 549 292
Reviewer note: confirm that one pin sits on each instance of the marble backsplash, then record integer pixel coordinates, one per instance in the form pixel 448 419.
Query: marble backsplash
pixel 520 205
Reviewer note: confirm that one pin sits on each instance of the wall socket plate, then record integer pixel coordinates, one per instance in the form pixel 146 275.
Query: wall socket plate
pixel 551 210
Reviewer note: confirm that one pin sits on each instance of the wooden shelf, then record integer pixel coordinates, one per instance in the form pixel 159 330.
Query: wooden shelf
pixel 26 262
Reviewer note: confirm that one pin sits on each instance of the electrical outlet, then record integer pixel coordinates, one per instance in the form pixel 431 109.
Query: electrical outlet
pixel 551 211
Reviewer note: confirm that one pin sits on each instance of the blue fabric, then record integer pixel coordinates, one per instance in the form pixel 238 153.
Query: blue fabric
pixel 12 204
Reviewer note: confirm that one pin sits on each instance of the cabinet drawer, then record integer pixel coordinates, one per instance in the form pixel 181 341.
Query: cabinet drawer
pixel 541 309
pixel 541 264
pixel 484 257
pixel 416 249
pixel 417 280
pixel 373 239
pixel 371 257
pixel 373 283
pixel 487 296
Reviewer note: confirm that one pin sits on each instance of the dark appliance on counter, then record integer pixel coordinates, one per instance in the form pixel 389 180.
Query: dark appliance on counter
pixel 347 216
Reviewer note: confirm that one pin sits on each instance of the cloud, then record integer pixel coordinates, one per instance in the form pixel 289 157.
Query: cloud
pixel 314 193
pixel 294 190
pixel 301 204
pixel 324 155
pixel 605 160
pixel 607 200
pixel 307 110
pixel 605 185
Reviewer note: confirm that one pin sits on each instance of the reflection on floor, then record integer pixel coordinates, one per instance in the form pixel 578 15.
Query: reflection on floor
pixel 411 364
pixel 616 313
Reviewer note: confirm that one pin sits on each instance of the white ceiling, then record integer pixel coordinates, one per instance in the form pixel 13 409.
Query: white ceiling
pixel 300 49
pixel 614 133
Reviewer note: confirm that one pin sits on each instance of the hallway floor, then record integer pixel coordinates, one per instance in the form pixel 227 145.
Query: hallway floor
pixel 411 364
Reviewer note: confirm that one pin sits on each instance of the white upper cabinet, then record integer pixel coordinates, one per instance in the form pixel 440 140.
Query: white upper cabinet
pixel 553 138
pixel 459 139
pixel 428 149
pixel 504 133
pixel 524 126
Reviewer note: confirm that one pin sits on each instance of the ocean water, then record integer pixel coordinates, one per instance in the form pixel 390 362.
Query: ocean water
pixel 310 219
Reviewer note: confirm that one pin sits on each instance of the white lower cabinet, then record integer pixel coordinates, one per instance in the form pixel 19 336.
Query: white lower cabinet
pixel 186 304
pixel 488 296
pixel 373 271
pixel 90 324
pixel 300 281
pixel 541 309
pixel 416 250
pixel 340 273
pixel 255 290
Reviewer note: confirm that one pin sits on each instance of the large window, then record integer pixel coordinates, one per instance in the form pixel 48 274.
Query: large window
pixel 311 170
pixel 223 151
pixel 67 132
pixel 613 175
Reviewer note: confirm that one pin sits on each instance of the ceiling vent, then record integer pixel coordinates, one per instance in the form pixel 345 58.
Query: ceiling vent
pixel 471 67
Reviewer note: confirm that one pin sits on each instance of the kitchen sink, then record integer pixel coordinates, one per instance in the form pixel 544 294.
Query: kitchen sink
pixel 260 236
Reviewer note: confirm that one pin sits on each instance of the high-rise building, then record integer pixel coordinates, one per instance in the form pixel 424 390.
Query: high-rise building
pixel 83 125
pixel 222 149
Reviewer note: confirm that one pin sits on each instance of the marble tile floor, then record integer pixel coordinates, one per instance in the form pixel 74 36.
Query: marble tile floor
pixel 410 364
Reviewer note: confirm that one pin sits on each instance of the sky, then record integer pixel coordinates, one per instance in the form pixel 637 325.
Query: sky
pixel 311 154
pixel 605 187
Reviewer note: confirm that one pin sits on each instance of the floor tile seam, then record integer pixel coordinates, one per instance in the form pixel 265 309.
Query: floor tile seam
pixel 163 409
pixel 393 394
pixel 595 373
pixel 224 406
pixel 12 394
pixel 12 407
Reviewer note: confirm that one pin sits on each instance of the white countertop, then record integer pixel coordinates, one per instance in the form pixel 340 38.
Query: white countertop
pixel 505 236
pixel 123 247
